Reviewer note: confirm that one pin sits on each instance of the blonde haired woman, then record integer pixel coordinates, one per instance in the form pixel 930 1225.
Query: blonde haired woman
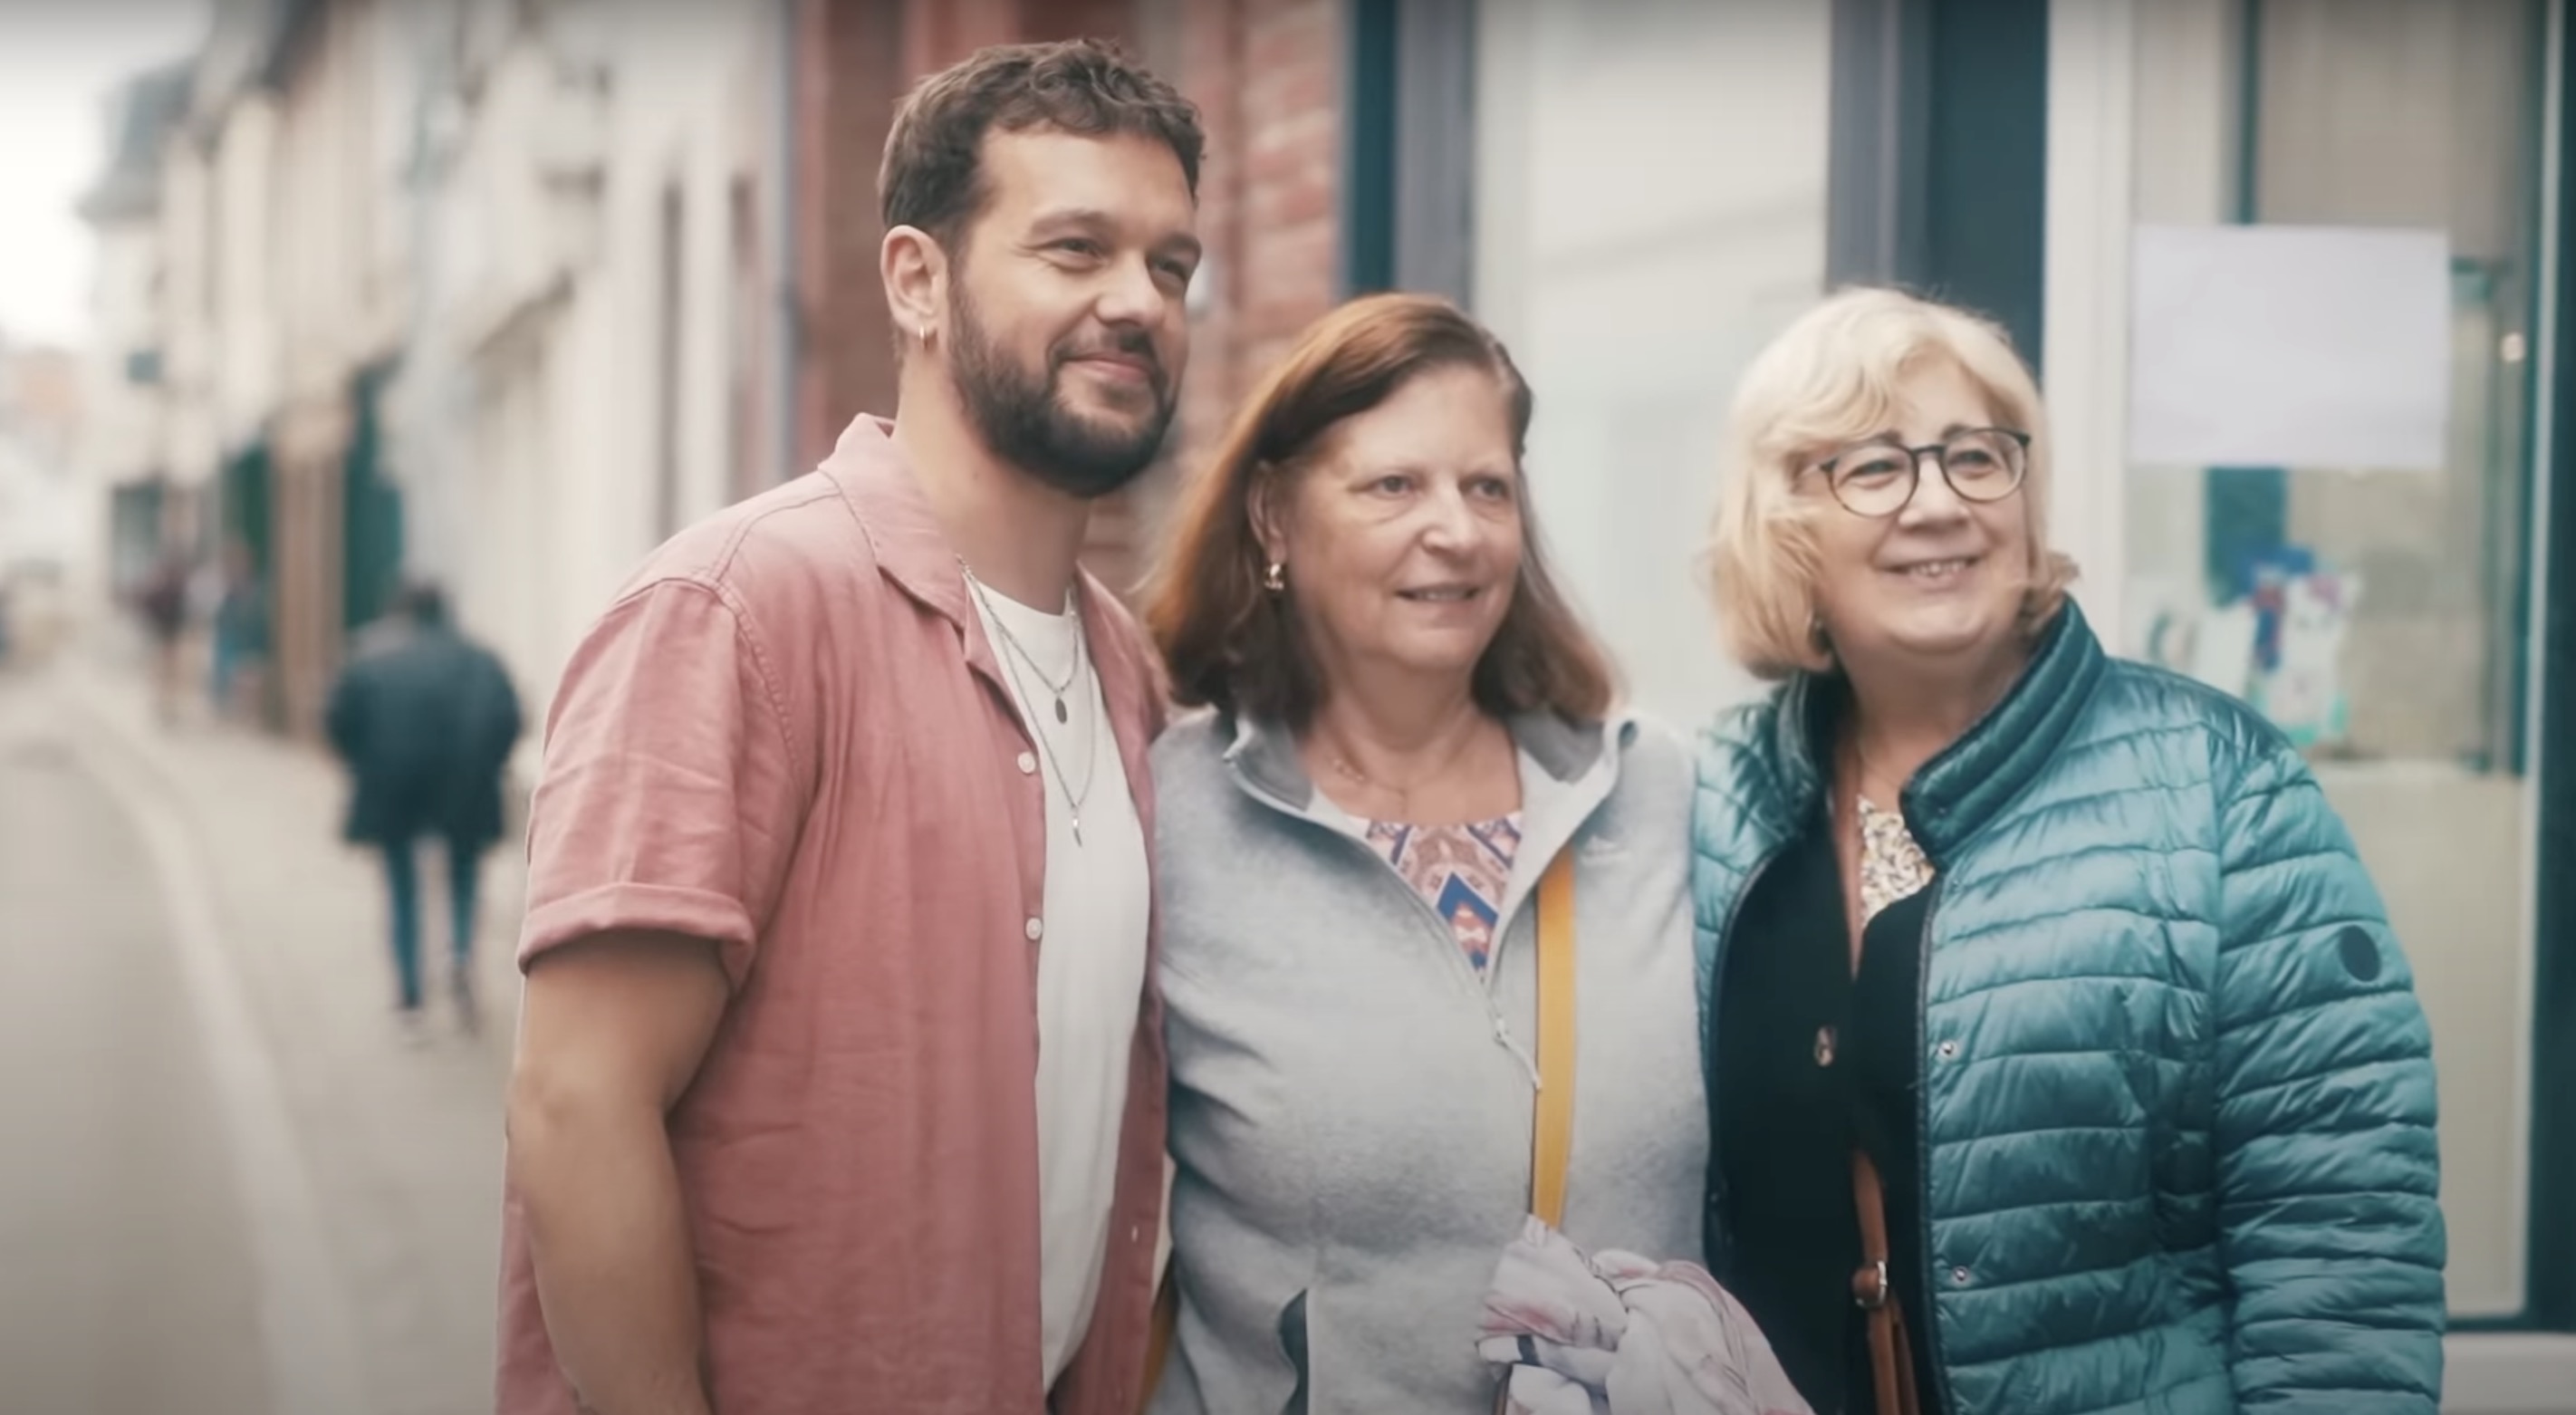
pixel 2060 1056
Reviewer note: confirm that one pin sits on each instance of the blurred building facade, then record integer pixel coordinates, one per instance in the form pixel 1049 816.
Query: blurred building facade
pixel 123 453
pixel 43 531
pixel 503 291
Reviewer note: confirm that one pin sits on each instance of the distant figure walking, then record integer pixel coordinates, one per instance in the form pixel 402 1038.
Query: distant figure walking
pixel 239 659
pixel 425 720
pixel 162 600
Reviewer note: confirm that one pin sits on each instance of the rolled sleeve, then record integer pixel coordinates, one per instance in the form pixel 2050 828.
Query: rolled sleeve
pixel 671 795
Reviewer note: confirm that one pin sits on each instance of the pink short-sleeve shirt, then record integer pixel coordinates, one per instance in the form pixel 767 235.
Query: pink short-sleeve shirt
pixel 789 735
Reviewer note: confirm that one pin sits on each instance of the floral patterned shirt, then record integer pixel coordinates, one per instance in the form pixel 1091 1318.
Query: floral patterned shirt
pixel 1461 871
pixel 1892 866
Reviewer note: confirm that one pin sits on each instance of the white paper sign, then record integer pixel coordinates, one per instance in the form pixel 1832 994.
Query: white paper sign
pixel 2289 346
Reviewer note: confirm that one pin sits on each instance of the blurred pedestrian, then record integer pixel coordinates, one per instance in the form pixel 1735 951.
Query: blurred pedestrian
pixel 240 637
pixel 2053 1016
pixel 425 720
pixel 840 1079
pixel 162 601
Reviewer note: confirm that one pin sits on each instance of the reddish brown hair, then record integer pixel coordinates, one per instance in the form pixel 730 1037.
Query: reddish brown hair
pixel 1234 644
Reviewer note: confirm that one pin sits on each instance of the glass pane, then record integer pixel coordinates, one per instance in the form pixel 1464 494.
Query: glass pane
pixel 1629 283
pixel 2379 615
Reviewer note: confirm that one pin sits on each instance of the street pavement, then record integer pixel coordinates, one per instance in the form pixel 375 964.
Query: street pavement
pixel 229 1181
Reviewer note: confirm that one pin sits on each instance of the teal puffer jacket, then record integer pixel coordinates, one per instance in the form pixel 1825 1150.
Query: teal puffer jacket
pixel 2177 1093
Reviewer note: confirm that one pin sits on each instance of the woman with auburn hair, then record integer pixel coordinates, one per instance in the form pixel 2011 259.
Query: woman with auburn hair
pixel 1401 728
pixel 2061 1057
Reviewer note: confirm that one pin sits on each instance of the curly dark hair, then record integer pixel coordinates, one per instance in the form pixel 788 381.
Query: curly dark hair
pixel 932 177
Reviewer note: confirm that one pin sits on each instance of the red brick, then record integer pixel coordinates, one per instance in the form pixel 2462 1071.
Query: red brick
pixel 938 33
pixel 1277 35
pixel 1283 42
pixel 849 78
pixel 1279 162
pixel 1301 200
pixel 1308 136
pixel 1077 19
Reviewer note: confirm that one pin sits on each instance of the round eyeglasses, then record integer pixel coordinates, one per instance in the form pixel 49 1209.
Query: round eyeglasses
pixel 1880 476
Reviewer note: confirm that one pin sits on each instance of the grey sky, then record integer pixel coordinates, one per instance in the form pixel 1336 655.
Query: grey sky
pixel 59 65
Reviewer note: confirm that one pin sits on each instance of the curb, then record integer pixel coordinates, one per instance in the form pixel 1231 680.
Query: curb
pixel 311 1350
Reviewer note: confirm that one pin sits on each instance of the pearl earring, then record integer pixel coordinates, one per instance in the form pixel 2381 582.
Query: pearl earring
pixel 1275 578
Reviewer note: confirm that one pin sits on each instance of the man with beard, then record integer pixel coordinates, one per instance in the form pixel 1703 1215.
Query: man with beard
pixel 840 1079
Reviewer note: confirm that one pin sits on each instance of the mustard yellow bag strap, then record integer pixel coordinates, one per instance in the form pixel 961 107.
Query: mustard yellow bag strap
pixel 1159 1334
pixel 1552 1133
pixel 1164 1326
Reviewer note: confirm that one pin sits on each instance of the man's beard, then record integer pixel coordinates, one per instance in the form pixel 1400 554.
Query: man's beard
pixel 1024 419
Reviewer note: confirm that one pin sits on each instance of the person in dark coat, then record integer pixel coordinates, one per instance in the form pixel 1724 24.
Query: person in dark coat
pixel 425 720
pixel 162 601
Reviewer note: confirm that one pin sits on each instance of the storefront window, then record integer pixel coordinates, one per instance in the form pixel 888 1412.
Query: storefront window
pixel 1650 209
pixel 2379 613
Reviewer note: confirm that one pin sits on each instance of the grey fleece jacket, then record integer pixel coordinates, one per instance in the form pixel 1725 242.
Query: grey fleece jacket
pixel 1351 1106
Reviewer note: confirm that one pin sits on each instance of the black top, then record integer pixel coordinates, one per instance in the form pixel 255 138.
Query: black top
pixel 1785 1112
pixel 426 722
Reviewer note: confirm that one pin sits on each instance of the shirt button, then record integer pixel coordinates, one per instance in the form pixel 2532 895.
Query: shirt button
pixel 1036 928
pixel 1028 764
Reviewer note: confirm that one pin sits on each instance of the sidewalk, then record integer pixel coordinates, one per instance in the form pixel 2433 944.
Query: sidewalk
pixel 402 1142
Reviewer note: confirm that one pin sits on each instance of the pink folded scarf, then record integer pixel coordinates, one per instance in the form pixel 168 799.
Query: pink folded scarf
pixel 1616 1334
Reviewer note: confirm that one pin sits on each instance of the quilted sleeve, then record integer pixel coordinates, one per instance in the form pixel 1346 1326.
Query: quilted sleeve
pixel 2329 1227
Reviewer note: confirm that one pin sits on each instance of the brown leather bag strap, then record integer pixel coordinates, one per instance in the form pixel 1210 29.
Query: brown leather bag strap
pixel 1891 1356
pixel 1158 1336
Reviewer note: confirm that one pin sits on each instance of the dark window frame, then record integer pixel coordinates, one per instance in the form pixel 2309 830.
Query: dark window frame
pixel 1938 177
pixel 2549 1282
pixel 1409 168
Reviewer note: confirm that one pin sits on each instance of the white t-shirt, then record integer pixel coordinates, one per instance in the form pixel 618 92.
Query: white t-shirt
pixel 1091 955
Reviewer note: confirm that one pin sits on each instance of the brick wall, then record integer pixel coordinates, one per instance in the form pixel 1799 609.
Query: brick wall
pixel 1267 77
pixel 850 74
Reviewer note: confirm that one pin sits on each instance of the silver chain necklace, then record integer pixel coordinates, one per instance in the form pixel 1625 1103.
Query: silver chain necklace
pixel 1046 749
pixel 1012 641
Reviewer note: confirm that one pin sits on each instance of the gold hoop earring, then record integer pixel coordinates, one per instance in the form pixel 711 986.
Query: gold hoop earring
pixel 1275 579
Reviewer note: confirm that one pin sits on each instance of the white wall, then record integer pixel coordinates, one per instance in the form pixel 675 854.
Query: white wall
pixel 245 266
pixel 691 93
pixel 333 202
pixel 494 459
pixel 123 426
pixel 549 292
pixel 189 357
pixel 1650 211
pixel 38 512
